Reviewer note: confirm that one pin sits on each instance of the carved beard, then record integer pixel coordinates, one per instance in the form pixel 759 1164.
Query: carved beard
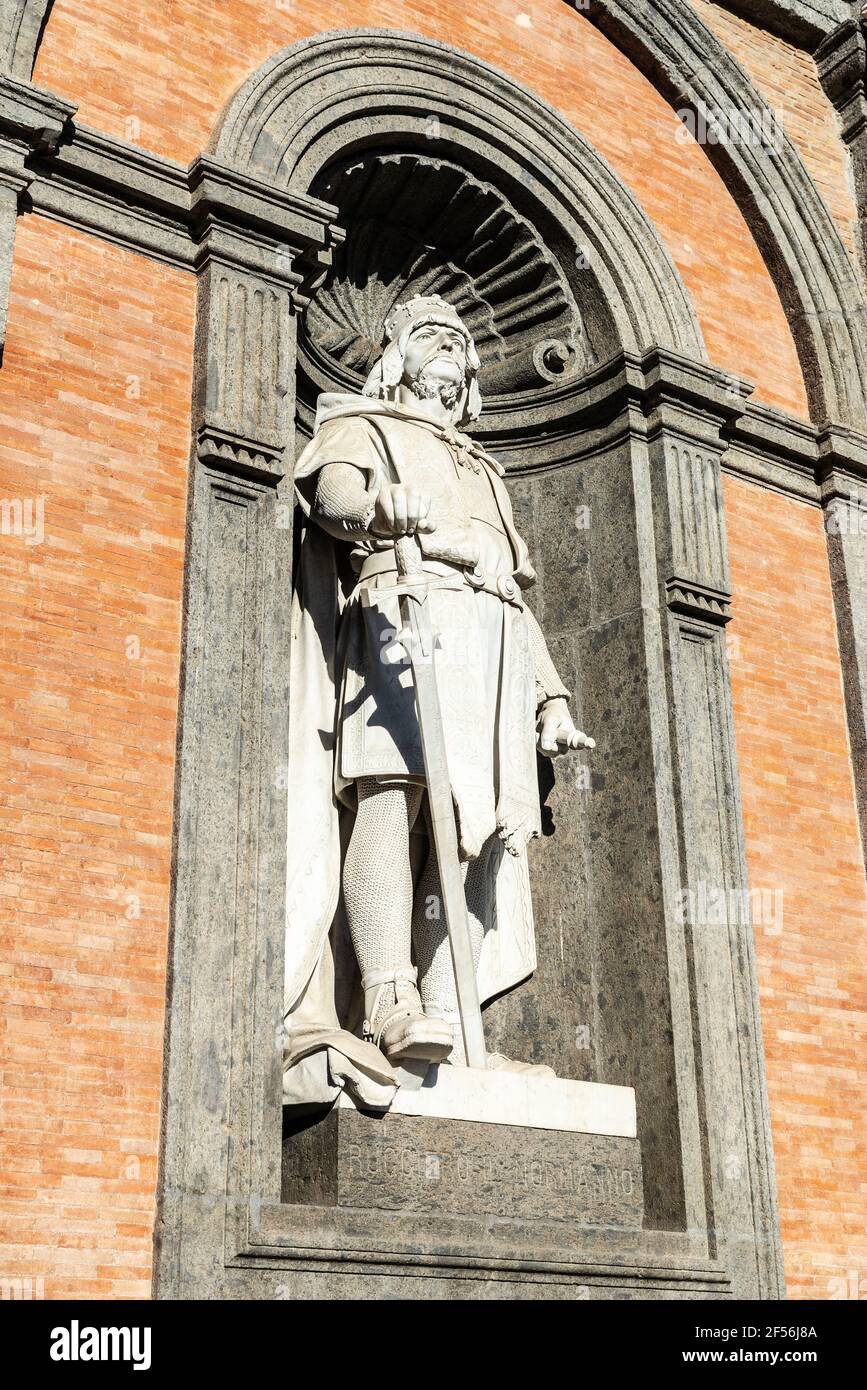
pixel 428 388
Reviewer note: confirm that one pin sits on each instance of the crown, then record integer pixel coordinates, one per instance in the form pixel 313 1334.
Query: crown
pixel 420 306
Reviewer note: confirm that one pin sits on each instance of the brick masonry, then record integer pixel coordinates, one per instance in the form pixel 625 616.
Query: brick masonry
pixel 787 79
pixel 803 844
pixel 94 400
pixel 94 405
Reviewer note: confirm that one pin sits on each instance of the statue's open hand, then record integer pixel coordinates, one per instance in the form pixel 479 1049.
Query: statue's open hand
pixel 555 731
pixel 400 511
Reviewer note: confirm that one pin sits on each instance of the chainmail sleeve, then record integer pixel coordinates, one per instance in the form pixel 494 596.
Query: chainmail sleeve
pixel 548 684
pixel 342 504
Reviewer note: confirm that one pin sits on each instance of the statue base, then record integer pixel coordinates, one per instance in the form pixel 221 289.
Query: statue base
pixel 513 1098
pixel 475 1143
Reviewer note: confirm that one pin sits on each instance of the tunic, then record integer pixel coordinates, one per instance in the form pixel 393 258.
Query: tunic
pixel 485 667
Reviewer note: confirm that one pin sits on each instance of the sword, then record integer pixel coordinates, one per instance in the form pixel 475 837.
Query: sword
pixel 421 648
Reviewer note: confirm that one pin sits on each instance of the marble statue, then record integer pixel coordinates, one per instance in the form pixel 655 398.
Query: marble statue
pixel 369 982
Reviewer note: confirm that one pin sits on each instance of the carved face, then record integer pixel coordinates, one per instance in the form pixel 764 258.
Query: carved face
pixel 436 356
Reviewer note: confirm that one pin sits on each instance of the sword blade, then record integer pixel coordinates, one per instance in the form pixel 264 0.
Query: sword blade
pixel 416 618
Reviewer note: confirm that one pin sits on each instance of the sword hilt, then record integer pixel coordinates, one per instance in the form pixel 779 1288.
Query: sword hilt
pixel 407 553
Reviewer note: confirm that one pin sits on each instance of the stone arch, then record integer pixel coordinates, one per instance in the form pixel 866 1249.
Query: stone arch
pixel 357 90
pixel 23 25
pixel 816 280
pixel 669 42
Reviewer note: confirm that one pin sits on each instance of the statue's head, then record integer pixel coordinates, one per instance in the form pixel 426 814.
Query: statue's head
pixel 429 353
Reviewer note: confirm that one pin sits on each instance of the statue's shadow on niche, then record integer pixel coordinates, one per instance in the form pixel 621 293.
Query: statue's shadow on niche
pixel 547 782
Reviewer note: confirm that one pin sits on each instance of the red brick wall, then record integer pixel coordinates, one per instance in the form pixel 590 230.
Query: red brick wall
pixel 159 73
pixel 94 417
pixel 802 838
pixel 787 79
pixel 89 729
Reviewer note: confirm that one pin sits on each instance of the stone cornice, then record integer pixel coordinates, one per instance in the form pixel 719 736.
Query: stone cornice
pixel 630 394
pixel 146 203
pixel 840 60
pixel 32 121
pixel 186 216
pixel 150 204
pixel 272 233
pixel 644 395
pixel 801 22
pixel 774 450
pixel 114 190
pixel 32 115
pixel 841 469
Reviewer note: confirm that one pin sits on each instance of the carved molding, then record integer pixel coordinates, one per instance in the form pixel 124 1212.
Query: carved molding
pixel 236 455
pixel 801 22
pixel 23 23
pixel 114 190
pixel 32 115
pixel 842 64
pixel 699 583
pixel 261 253
pixel 670 40
pixel 688 411
pixel 157 206
pixel 279 237
pixel 774 450
pixel 840 60
pixel 140 200
pixel 692 600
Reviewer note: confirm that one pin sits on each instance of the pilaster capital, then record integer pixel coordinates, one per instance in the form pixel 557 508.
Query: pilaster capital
pixel 258 228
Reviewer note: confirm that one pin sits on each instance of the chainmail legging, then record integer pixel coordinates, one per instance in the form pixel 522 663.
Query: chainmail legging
pixel 377 879
pixel 430 937
pixel 378 892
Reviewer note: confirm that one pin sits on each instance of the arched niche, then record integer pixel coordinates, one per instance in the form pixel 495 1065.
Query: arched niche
pixel 347 92
pixel 612 425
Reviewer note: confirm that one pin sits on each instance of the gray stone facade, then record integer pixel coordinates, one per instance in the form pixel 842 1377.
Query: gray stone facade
pixel 802 22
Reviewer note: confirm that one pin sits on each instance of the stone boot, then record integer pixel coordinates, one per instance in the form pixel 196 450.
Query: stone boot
pixel 496 1060
pixel 395 1021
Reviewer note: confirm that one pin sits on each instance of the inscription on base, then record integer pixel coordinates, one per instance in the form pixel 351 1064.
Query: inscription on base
pixel 421 1164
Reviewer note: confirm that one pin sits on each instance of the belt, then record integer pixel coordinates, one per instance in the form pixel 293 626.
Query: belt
pixel 502 586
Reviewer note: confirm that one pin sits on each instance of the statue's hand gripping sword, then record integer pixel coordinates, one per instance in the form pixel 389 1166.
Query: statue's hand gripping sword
pixel 419 639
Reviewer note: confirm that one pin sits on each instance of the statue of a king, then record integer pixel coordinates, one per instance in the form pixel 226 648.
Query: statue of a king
pixel 369 984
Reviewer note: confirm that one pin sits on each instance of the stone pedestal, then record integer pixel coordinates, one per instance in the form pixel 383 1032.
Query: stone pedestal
pixel 420 1163
pixel 514 1098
